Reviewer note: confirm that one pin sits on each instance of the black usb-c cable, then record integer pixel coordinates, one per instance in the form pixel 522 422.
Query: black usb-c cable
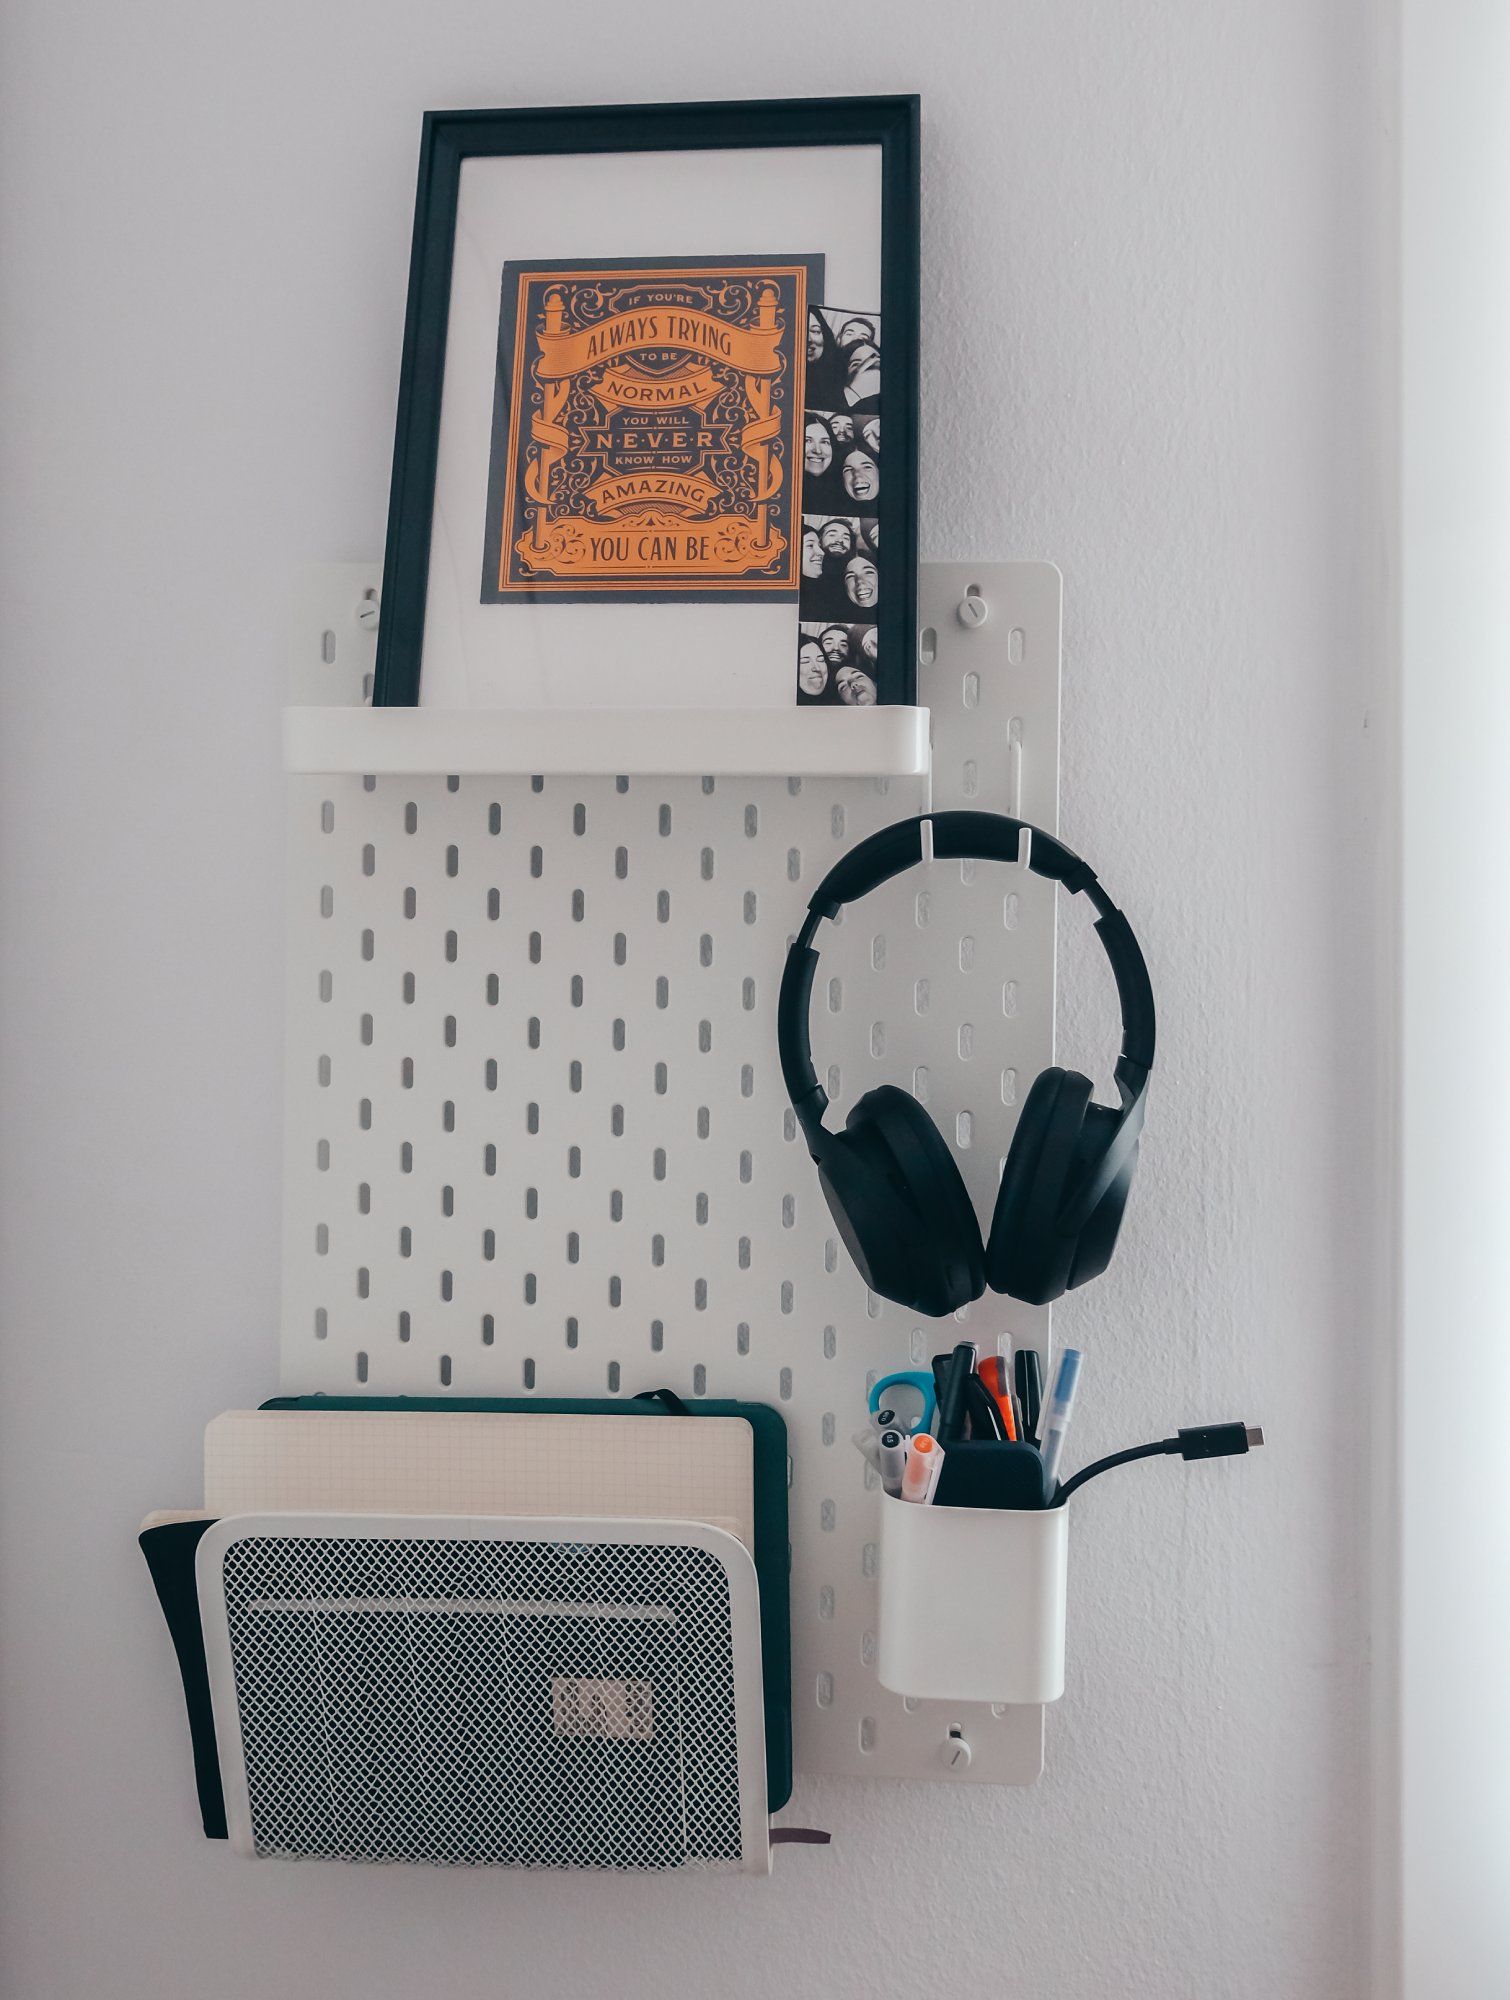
pixel 1201 1441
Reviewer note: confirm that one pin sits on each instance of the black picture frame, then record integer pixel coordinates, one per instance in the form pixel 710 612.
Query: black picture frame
pixel 449 138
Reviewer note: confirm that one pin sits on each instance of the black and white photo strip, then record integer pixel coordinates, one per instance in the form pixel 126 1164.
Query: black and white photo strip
pixel 841 495
pixel 841 575
pixel 843 359
pixel 841 461
pixel 841 587
pixel 836 665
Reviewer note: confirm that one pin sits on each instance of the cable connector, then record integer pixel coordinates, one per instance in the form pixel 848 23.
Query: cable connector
pixel 1219 1440
pixel 1200 1441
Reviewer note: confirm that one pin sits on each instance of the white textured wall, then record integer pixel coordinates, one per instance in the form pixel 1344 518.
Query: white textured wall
pixel 1155 256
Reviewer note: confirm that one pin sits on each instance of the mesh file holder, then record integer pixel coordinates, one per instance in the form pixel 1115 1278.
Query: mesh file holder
pixel 771 1548
pixel 527 1693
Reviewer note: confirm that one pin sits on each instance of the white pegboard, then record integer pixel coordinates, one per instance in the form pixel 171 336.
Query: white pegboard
pixel 536 1136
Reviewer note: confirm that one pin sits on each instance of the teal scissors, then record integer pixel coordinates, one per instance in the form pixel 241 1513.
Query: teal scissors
pixel 911 1378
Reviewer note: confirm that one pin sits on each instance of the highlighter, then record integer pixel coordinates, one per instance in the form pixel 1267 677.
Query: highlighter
pixel 925 1460
pixel 993 1372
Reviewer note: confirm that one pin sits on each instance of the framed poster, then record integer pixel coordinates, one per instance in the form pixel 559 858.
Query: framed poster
pixel 655 397
pixel 647 359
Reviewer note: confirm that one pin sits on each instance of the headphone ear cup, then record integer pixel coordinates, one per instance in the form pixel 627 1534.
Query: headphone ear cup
pixel 901 1207
pixel 1027 1256
pixel 1097 1236
pixel 951 1240
pixel 876 1223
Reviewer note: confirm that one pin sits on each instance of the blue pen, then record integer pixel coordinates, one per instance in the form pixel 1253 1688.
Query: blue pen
pixel 1056 1417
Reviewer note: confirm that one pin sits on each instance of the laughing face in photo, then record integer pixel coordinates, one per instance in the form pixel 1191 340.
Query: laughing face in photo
pixel 861 475
pixel 861 582
pixel 840 569
pixel 812 669
pixel 817 448
pixel 841 463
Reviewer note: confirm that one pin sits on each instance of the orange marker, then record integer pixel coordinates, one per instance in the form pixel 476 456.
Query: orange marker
pixel 993 1372
pixel 925 1459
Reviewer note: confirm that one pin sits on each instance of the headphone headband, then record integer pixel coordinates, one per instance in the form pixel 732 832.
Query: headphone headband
pixel 965 836
pixel 985 837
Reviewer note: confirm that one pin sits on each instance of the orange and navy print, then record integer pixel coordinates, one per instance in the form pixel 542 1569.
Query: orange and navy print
pixel 647 432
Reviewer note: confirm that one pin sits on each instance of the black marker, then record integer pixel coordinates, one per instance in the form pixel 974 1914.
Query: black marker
pixel 893 1461
pixel 951 1422
pixel 1029 1381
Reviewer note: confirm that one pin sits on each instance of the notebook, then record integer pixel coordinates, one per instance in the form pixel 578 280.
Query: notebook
pixel 482 1462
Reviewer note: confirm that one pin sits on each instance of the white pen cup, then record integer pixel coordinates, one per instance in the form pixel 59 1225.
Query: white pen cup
pixel 972 1602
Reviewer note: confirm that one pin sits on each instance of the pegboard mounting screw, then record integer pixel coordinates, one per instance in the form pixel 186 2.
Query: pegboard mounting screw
pixel 367 611
pixel 954 1751
pixel 973 610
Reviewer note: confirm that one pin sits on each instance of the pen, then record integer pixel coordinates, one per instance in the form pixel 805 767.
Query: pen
pixel 1029 1390
pixel 940 1367
pixel 1056 1416
pixel 951 1423
pixel 983 1412
pixel 893 1460
pixel 993 1372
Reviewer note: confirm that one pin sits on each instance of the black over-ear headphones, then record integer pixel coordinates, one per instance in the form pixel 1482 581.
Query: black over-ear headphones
pixel 890 1179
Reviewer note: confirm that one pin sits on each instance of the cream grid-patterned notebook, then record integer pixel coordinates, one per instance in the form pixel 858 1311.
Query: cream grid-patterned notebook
pixel 482 1462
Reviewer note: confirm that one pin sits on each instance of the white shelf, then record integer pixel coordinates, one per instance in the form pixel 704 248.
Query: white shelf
pixel 630 742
